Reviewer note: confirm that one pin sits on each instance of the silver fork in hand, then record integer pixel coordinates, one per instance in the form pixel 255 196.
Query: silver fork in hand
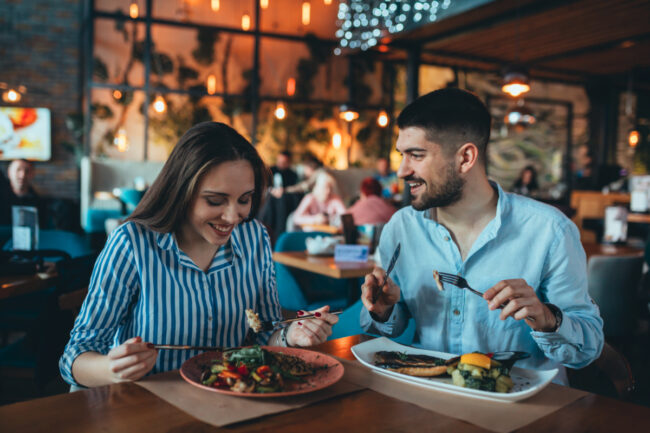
pixel 461 283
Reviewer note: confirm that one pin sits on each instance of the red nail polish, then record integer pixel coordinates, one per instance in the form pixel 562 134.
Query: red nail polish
pixel 300 323
pixel 317 314
pixel 300 313
pixel 150 346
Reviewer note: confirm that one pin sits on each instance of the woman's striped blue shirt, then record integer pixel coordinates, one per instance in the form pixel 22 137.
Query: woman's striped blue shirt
pixel 144 285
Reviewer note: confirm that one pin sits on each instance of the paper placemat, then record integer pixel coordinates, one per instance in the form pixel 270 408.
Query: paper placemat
pixel 495 416
pixel 220 410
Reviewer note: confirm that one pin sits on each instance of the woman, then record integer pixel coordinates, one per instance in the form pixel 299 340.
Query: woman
pixel 371 208
pixel 322 205
pixel 184 268
pixel 526 184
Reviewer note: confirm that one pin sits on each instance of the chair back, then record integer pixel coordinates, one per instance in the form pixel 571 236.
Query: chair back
pixel 609 375
pixel 298 289
pixel 613 285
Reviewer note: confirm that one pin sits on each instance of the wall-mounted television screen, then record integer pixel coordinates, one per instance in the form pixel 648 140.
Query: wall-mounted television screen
pixel 25 133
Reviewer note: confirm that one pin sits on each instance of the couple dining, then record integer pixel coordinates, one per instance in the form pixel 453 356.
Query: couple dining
pixel 190 260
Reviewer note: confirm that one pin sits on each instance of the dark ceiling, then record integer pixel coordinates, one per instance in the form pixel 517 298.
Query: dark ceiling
pixel 566 40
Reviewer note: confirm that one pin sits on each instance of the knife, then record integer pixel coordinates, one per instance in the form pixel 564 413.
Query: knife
pixel 391 265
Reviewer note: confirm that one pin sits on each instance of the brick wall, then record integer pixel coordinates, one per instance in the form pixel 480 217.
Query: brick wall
pixel 40 48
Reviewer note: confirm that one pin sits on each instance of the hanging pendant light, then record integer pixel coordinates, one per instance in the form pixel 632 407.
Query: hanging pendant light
pixel 11 96
pixel 291 86
pixel 336 140
pixel 280 111
pixel 245 22
pixel 215 5
pixel 633 138
pixel 306 13
pixel 264 4
pixel 382 119
pixel 159 104
pixel 134 11
pixel 348 112
pixel 519 116
pixel 211 84
pixel 515 81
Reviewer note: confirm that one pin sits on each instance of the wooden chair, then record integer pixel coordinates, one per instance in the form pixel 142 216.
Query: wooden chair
pixel 609 375
pixel 592 204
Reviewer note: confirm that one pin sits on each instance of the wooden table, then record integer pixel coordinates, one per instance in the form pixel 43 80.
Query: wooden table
pixel 595 249
pixel 129 408
pixel 17 285
pixel 324 265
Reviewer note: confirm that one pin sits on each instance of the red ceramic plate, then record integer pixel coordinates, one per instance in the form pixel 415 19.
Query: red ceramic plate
pixel 192 368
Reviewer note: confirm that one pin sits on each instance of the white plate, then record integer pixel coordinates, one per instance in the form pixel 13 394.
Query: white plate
pixel 527 382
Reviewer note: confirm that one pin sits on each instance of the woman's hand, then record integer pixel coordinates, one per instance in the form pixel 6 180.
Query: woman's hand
pixel 311 332
pixel 131 360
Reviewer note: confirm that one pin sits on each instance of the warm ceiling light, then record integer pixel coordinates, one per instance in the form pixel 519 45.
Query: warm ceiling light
pixel 633 138
pixel 134 10
pixel 327 2
pixel 215 5
pixel 519 116
pixel 348 113
pixel 382 48
pixel 11 95
pixel 264 4
pixel 121 141
pixel 159 104
pixel 291 86
pixel 117 94
pixel 211 84
pixel 245 22
pixel 382 119
pixel 336 140
pixel 280 111
pixel 515 82
pixel 306 12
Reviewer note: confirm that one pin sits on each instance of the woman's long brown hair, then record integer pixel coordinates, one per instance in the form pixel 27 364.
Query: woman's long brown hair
pixel 165 204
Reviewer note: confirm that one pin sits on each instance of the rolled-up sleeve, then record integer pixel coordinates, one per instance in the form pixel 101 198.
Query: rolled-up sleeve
pixel 579 340
pixel 113 286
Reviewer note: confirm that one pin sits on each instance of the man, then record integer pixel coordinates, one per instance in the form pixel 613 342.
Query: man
pixel 282 168
pixel 19 190
pixel 519 252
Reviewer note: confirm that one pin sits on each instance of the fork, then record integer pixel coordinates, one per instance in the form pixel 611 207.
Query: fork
pixel 270 325
pixel 461 283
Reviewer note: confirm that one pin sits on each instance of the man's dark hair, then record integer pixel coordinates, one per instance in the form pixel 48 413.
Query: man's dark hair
pixel 450 117
pixel 287 154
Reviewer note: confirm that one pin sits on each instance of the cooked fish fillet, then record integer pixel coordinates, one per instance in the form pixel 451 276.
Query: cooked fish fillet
pixel 407 360
pixel 421 371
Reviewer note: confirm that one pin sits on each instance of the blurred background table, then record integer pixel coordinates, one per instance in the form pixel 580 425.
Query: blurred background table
pixel 324 265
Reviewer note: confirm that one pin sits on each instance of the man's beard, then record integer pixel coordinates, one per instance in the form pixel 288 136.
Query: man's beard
pixel 448 193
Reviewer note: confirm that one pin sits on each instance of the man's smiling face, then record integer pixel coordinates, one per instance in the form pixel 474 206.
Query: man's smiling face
pixel 432 176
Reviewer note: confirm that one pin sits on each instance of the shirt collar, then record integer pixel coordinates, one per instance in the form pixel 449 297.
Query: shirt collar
pixel 167 241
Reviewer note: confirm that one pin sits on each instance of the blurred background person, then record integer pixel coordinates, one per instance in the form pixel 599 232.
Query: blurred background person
pixel 371 208
pixel 322 206
pixel 283 174
pixel 526 184
pixel 19 190
pixel 387 178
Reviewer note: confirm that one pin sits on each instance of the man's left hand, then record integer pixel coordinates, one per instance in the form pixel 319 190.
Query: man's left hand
pixel 521 302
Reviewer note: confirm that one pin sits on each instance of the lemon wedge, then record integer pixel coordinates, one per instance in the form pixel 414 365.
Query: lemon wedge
pixel 477 359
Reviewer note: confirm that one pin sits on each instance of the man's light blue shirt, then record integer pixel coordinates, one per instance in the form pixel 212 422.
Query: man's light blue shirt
pixel 526 239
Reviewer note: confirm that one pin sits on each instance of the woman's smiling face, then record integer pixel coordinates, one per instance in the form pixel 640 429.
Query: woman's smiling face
pixel 223 199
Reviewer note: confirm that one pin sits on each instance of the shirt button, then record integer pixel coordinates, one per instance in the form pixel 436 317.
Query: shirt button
pixel 209 317
pixel 446 238
pixel 456 312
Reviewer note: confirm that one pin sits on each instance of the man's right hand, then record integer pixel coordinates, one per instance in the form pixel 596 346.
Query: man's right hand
pixel 377 297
